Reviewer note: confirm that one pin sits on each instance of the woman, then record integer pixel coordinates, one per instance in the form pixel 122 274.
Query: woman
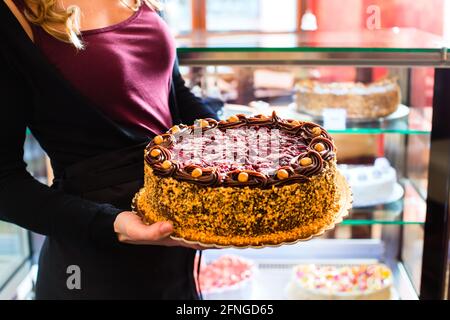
pixel 93 81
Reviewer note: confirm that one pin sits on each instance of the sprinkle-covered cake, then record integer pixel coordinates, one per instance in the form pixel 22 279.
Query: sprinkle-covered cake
pixel 361 101
pixel 246 181
pixel 345 282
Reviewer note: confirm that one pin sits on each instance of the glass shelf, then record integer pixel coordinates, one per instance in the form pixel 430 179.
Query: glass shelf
pixel 410 210
pixel 394 40
pixel 418 121
pixel 396 46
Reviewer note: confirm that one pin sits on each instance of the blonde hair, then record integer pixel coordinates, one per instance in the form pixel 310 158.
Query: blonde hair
pixel 49 15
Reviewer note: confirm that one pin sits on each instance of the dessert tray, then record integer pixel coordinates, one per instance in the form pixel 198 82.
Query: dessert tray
pixel 389 293
pixel 401 113
pixel 345 204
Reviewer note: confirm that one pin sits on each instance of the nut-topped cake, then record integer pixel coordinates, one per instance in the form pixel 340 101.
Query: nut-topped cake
pixel 361 101
pixel 246 181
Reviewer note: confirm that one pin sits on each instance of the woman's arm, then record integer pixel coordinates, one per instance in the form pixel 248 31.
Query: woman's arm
pixel 190 107
pixel 28 203
pixel 25 201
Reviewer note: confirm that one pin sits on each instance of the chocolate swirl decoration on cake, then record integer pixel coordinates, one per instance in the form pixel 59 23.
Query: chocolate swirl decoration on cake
pixel 313 146
pixel 243 178
pixel 166 140
pixel 262 120
pixel 167 168
pixel 157 154
pixel 286 175
pixel 310 130
pixel 325 147
pixel 290 125
pixel 204 124
pixel 308 163
pixel 198 175
pixel 178 129
pixel 235 121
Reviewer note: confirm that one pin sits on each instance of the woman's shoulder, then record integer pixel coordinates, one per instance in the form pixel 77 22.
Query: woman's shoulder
pixel 17 12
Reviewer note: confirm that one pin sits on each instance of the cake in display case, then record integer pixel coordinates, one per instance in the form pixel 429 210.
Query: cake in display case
pixel 360 101
pixel 289 191
pixel 341 282
pixel 349 99
pixel 372 184
pixel 227 277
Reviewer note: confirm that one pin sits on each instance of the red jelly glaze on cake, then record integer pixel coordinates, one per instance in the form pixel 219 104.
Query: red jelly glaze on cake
pixel 259 146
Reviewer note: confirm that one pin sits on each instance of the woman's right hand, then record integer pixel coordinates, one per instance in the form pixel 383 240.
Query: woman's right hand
pixel 131 229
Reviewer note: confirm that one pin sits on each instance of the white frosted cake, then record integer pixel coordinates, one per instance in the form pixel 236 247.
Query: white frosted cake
pixel 371 184
pixel 340 282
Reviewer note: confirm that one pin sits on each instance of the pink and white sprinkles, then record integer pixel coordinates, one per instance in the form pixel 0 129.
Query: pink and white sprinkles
pixel 344 279
pixel 226 272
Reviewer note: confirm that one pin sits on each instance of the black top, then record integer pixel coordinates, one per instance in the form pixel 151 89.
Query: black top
pixel 69 128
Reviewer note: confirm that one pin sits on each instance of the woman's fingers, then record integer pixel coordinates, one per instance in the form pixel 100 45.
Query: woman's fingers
pixel 130 228
pixel 154 232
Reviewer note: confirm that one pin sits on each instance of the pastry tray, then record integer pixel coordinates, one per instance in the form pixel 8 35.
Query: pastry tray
pixel 345 204
pixel 401 113
pixel 272 278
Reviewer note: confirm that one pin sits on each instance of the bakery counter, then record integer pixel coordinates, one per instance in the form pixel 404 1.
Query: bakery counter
pixel 274 269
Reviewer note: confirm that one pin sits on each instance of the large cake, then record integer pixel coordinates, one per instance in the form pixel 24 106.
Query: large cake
pixel 345 282
pixel 246 181
pixel 361 101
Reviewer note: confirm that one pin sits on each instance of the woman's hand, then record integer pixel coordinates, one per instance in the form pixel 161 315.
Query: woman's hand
pixel 131 229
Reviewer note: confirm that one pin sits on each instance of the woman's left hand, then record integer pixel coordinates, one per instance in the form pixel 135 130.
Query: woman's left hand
pixel 131 229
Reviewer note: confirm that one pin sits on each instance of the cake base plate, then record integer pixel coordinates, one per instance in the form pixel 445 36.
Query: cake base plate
pixel 401 112
pixel 345 204
pixel 289 294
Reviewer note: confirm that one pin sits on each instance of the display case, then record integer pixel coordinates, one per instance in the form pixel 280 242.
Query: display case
pixel 16 243
pixel 409 232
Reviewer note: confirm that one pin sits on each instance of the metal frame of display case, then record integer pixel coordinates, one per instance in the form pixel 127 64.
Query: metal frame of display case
pixel 357 48
pixel 434 275
pixel 436 242
pixel 323 56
